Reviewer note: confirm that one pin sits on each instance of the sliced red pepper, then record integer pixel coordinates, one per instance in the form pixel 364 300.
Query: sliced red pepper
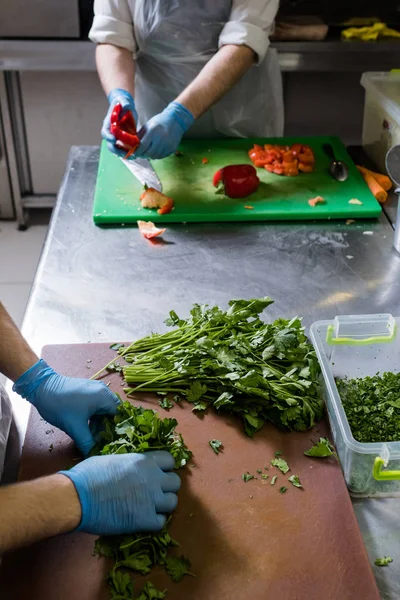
pixel 237 181
pixel 152 198
pixel 123 127
pixel 149 230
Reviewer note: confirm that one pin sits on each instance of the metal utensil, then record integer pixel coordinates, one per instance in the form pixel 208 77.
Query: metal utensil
pixel 144 172
pixel 338 169
pixel 393 169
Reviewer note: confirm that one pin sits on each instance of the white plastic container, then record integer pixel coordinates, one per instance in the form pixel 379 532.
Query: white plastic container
pixel 381 129
pixel 352 347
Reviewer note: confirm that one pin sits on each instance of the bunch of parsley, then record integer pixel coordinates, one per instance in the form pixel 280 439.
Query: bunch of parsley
pixel 135 429
pixel 234 361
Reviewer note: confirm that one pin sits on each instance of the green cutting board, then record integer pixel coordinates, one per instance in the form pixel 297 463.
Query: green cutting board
pixel 189 182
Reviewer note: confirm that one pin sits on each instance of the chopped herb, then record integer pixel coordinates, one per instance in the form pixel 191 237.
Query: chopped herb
pixel 322 449
pixel 372 407
pixel 259 471
pixel 294 480
pixel 383 562
pixel 177 568
pixel 266 468
pixel 135 429
pixel 216 445
pixel 264 476
pixel 115 347
pixel 199 406
pixel 273 480
pixel 165 403
pixel 280 464
pixel 177 399
pixel 114 367
pixel 283 490
pixel 247 476
pixel 278 454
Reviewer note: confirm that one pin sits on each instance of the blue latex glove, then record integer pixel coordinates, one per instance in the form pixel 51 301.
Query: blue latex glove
pixel 127 102
pixel 125 493
pixel 161 136
pixel 66 402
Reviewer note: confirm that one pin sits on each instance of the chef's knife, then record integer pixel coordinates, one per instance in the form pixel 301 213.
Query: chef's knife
pixel 144 172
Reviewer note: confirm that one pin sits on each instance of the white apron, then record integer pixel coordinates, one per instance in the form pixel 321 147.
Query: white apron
pixel 176 38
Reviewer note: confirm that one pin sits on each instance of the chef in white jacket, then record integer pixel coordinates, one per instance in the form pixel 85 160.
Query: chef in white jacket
pixel 198 67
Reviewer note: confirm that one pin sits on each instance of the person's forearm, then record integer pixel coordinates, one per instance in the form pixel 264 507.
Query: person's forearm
pixel 218 76
pixel 116 68
pixel 35 510
pixel 16 357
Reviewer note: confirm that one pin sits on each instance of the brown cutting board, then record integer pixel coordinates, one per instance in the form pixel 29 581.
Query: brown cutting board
pixel 245 540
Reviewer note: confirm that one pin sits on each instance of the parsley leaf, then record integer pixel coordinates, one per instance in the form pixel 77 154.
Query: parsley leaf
pixel 273 480
pixel 199 406
pixel 322 449
pixel 149 592
pixel 295 481
pixel 216 445
pixel 247 477
pixel 383 562
pixel 196 391
pixel 281 465
pixel 165 403
pixel 177 568
pixel 116 346
pixel 264 476
pixel 278 454
pixel 283 490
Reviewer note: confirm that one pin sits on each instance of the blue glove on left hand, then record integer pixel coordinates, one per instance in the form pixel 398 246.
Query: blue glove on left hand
pixel 161 136
pixel 66 402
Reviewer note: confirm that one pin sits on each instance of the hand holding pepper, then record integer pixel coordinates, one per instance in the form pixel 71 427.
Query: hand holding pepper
pixel 127 103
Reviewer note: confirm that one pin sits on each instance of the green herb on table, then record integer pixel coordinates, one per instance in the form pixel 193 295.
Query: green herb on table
pixel 273 480
pixel 259 471
pixel 166 403
pixel 280 464
pixel 216 445
pixel 295 481
pixel 135 429
pixel 116 346
pixel 177 568
pixel 283 490
pixel 383 562
pixel 278 454
pixel 264 476
pixel 247 477
pixel 322 449
pixel 235 362
pixel 149 592
pixel 177 399
pixel 199 406
pixel 372 407
pixel 114 367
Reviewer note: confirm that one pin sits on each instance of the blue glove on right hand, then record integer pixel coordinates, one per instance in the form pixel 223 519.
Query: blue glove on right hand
pixel 127 102
pixel 125 493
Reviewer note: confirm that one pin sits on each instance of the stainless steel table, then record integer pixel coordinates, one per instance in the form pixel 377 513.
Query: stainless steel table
pixel 110 284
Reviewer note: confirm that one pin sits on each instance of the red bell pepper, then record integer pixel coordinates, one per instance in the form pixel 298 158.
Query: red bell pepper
pixel 123 127
pixel 236 181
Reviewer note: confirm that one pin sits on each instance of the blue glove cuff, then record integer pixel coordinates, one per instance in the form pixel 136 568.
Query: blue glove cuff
pixel 28 383
pixel 181 114
pixel 79 483
pixel 119 93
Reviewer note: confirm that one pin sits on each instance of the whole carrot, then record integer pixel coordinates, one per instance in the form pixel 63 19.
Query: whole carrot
pixel 376 189
pixel 383 180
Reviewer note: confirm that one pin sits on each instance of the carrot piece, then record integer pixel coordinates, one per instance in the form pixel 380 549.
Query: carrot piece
pixel 376 189
pixel 383 180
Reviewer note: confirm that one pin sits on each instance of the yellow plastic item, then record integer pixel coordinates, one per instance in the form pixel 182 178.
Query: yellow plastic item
pixel 381 475
pixel 370 34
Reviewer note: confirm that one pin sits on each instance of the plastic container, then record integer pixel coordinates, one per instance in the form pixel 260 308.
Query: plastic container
pixel 381 128
pixel 359 346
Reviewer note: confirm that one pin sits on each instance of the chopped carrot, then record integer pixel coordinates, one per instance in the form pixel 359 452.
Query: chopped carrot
pixel 383 180
pixel 375 188
pixel 205 161
pixel 314 201
pixel 249 207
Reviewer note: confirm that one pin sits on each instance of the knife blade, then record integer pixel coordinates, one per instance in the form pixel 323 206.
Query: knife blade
pixel 144 172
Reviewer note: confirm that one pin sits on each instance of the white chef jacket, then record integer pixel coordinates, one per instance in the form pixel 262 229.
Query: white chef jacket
pixel 173 39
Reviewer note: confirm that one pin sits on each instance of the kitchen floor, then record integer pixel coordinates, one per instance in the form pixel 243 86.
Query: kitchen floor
pixel 19 257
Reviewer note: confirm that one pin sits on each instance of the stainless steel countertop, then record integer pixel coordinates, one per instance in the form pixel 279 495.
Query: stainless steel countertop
pixel 110 284
pixel 78 55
